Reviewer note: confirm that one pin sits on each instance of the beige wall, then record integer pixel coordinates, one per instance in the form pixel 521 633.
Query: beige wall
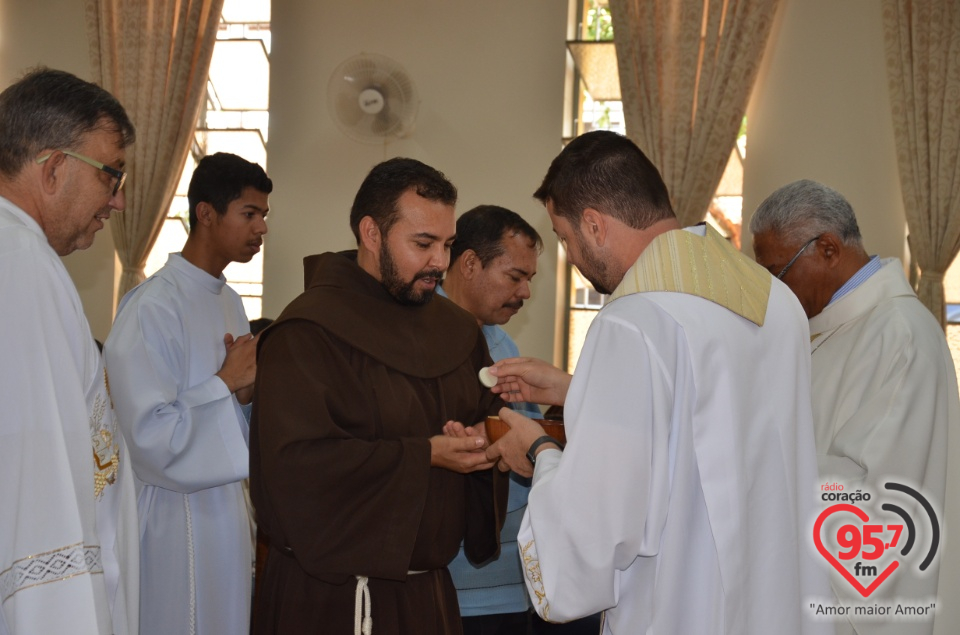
pixel 52 33
pixel 490 76
pixel 821 110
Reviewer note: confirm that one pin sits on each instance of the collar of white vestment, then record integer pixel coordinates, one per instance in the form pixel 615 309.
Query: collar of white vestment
pixel 195 273
pixel 889 282
pixel 699 261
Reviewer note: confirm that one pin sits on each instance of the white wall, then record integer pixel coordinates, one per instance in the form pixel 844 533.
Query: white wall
pixel 490 76
pixel 52 33
pixel 821 110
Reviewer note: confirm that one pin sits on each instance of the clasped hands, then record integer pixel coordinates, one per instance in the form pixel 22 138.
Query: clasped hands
pixel 239 368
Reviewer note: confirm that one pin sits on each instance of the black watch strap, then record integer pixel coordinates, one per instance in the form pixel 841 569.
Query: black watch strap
pixel 532 452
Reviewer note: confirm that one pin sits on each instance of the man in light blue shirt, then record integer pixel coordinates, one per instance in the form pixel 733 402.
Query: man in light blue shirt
pixel 492 263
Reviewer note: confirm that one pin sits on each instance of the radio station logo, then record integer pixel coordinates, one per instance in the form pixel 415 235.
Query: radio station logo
pixel 868 548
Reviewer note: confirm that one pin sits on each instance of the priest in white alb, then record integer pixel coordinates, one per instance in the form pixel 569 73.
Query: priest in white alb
pixel 68 523
pixel 884 385
pixel 683 499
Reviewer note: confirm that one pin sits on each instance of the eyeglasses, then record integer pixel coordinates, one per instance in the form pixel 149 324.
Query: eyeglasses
pixel 115 173
pixel 783 271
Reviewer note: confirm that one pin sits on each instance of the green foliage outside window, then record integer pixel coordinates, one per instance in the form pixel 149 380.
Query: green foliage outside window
pixel 599 22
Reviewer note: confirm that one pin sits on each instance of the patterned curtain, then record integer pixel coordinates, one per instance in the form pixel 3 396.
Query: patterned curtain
pixel 686 71
pixel 923 68
pixel 154 57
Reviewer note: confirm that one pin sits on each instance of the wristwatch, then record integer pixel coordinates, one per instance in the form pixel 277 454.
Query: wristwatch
pixel 532 452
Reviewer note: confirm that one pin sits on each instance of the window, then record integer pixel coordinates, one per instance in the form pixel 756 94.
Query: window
pixel 597 106
pixel 233 118
pixel 595 69
pixel 951 286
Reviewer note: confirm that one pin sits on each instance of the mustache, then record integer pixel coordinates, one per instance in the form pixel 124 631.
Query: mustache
pixel 436 274
pixel 514 305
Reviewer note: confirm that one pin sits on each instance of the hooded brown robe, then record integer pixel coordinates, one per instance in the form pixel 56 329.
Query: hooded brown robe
pixel 350 387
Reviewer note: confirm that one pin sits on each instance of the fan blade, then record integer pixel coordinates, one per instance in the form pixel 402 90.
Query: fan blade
pixel 385 124
pixel 347 110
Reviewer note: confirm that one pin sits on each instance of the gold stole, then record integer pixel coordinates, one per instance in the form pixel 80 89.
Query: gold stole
pixel 704 266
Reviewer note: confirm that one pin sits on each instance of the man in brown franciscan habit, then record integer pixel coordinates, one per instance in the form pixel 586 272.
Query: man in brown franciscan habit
pixel 363 498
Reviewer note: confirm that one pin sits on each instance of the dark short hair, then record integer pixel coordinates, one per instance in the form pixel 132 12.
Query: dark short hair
pixel 52 110
pixel 483 228
pixel 609 173
pixel 220 179
pixel 386 183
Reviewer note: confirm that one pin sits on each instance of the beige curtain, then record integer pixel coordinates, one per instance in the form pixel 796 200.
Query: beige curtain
pixel 923 68
pixel 154 57
pixel 686 71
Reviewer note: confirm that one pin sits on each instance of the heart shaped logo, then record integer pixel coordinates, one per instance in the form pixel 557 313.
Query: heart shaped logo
pixel 853 538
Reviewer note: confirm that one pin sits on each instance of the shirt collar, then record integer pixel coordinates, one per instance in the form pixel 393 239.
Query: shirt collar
pixel 873 266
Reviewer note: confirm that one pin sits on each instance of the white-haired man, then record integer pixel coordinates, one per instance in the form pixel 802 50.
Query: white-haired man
pixel 883 382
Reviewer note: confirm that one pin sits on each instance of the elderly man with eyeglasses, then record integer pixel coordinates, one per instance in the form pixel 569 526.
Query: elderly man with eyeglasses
pixel 68 530
pixel 883 382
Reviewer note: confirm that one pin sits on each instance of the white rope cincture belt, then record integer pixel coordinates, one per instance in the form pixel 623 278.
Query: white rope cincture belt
pixel 362 617
pixel 362 620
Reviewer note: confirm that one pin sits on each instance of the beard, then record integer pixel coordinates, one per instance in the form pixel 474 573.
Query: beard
pixel 593 268
pixel 405 292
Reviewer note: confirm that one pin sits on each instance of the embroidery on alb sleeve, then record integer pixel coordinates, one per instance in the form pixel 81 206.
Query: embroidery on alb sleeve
pixel 106 450
pixel 51 566
pixel 531 567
